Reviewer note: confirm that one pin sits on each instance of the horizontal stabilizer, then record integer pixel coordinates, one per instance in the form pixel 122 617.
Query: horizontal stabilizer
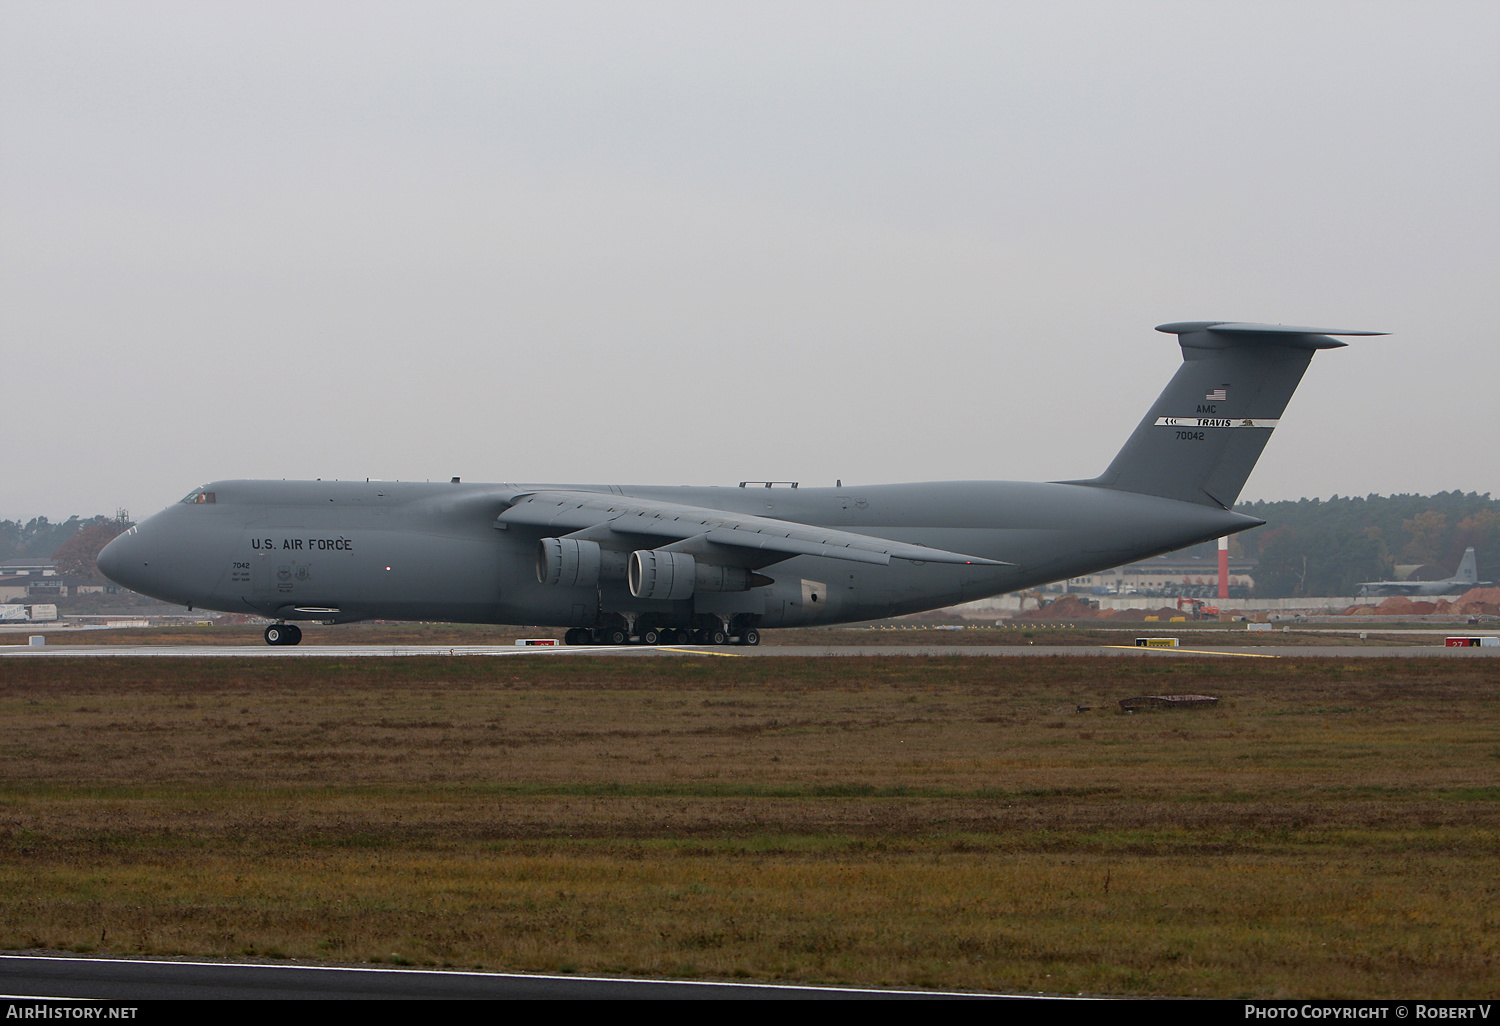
pixel 1247 328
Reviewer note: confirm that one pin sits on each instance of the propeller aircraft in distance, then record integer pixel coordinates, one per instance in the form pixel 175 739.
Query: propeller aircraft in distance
pixel 1464 578
pixel 616 563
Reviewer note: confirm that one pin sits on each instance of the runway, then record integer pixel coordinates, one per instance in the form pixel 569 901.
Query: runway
pixel 733 651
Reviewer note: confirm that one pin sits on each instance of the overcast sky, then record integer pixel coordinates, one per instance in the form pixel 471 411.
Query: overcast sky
pixel 697 243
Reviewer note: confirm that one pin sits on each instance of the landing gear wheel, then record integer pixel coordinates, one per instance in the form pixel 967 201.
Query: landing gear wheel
pixel 577 636
pixel 715 636
pixel 616 636
pixel 650 636
pixel 751 636
pixel 283 634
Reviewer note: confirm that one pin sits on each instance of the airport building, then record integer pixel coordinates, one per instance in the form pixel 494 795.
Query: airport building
pixel 1175 575
pixel 25 579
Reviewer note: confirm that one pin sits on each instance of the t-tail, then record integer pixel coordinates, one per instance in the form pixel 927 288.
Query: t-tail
pixel 1206 430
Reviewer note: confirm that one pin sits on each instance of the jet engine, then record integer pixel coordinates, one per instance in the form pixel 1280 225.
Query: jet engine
pixel 651 573
pixel 657 574
pixel 572 563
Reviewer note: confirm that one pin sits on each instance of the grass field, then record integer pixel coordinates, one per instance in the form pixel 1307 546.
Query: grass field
pixel 1331 828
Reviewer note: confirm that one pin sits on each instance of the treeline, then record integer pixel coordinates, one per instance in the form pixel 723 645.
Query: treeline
pixel 1330 546
pixel 39 538
pixel 74 544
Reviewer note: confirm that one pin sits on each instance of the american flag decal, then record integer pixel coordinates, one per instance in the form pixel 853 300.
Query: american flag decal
pixel 1218 395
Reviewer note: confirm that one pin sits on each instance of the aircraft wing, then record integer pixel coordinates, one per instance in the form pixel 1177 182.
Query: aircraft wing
pixel 567 512
pixel 1392 588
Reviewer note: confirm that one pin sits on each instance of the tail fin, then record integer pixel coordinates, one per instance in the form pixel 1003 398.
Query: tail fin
pixel 1206 430
pixel 1468 568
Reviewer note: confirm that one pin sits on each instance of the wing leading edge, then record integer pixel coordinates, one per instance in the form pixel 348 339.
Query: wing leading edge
pixel 592 514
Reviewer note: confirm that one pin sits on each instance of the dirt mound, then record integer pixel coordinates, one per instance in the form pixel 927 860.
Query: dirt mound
pixel 1487 595
pixel 1137 615
pixel 1464 605
pixel 1069 607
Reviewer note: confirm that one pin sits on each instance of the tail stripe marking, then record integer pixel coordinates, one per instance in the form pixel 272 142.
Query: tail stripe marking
pixel 1215 422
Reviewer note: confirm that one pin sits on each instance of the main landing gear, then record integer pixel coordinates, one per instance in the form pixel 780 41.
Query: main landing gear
pixel 283 634
pixel 660 636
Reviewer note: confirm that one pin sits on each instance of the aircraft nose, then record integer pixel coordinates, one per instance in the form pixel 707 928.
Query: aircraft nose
pixel 155 558
pixel 118 558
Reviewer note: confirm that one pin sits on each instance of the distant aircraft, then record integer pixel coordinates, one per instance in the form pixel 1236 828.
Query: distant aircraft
pixel 712 565
pixel 1466 577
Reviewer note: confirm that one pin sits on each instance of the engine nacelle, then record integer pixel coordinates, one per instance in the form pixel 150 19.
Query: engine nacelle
pixel 577 564
pixel 671 576
pixel 662 575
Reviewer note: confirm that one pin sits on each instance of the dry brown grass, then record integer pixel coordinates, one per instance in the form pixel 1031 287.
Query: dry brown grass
pixel 1329 829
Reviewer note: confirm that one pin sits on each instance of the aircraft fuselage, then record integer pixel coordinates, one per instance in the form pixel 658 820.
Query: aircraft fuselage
pixel 322 550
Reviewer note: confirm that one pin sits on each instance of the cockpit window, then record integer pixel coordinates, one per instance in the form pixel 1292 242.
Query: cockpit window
pixel 198 497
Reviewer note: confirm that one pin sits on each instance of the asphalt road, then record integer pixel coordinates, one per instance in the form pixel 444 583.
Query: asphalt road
pixel 26 978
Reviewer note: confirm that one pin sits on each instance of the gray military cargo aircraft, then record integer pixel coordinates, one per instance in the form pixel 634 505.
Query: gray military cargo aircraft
pixel 1464 578
pixel 713 565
